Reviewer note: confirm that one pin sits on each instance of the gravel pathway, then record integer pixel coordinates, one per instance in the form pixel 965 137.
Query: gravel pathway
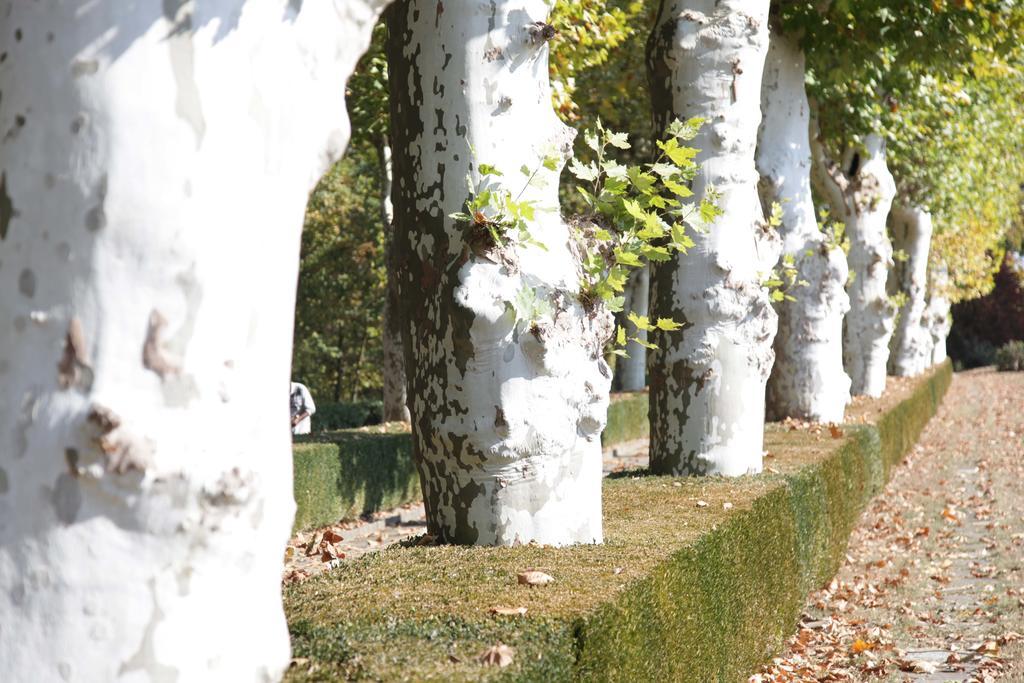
pixel 933 584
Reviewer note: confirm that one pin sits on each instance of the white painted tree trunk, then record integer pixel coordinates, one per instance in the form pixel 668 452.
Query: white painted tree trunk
pixel 396 408
pixel 631 372
pixel 911 345
pixel 861 194
pixel 156 158
pixel 706 59
pixel 506 414
pixel 937 313
pixel 807 381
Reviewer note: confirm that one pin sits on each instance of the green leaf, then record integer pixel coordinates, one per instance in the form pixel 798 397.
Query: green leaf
pixel 584 173
pixel 645 344
pixel 668 325
pixel 620 336
pixel 641 322
pixel 619 140
pixel 655 253
pixel 487 169
pixel 627 258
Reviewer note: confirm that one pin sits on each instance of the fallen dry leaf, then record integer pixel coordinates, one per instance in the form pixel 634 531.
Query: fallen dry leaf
pixel 917 666
pixel 508 611
pixel 702 503
pixel 532 577
pixel 332 536
pixel 497 655
pixel 860 645
pixel 835 431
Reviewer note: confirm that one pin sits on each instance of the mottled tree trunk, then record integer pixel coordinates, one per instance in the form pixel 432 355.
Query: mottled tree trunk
pixel 937 318
pixel 506 414
pixel 157 157
pixel 860 194
pixel 631 371
pixel 807 380
pixel 706 58
pixel 910 350
pixel 396 408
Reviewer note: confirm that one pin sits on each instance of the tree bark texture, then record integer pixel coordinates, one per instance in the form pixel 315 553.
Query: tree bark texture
pixel 910 349
pixel 860 193
pixel 937 318
pixel 706 59
pixel 396 404
pixel 156 158
pixel 807 381
pixel 506 414
pixel 631 371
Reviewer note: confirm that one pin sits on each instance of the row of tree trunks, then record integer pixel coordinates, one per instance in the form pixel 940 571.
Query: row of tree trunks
pixel 860 194
pixel 156 163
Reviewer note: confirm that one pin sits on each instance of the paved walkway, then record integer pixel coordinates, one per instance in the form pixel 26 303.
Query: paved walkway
pixel 311 553
pixel 933 584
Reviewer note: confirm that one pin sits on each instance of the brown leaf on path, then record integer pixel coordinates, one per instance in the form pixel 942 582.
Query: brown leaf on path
pixel 835 431
pixel 313 547
pixel 508 611
pixel 497 655
pixel 533 577
pixel 332 536
pixel 916 666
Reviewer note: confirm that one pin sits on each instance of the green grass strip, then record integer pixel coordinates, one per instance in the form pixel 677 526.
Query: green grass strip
pixel 680 591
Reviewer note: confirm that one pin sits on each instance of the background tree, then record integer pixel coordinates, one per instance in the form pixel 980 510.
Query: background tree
pixel 342 282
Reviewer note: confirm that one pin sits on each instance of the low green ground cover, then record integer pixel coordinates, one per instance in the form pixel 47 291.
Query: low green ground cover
pixel 699 579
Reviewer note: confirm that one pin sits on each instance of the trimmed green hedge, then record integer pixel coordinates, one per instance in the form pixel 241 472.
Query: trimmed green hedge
pixel 352 474
pixel 346 473
pixel 627 418
pixel 330 417
pixel 678 591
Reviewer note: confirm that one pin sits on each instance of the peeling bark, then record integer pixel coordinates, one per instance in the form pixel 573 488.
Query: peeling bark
pixel 910 350
pixel 631 372
pixel 860 194
pixel 937 319
pixel 150 254
pixel 506 414
pixel 706 59
pixel 807 380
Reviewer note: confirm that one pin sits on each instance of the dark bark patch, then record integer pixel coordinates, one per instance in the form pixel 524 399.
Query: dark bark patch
pixel 7 210
pixel 74 368
pixel 96 218
pixel 71 458
pixel 104 419
pixel 27 283
pixel 67 499
pixel 78 123
pixel 4 483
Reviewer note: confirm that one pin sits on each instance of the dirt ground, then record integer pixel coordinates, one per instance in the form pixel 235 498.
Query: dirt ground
pixel 933 584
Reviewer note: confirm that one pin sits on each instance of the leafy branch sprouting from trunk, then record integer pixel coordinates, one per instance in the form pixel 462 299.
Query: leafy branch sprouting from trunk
pixel 635 215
